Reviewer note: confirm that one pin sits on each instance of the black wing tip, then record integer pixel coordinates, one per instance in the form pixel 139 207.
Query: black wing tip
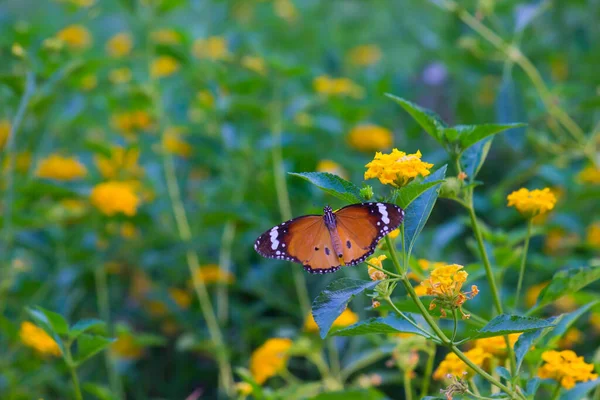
pixel 310 270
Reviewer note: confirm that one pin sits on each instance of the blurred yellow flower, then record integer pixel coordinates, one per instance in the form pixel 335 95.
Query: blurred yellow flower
pixel 181 297
pixel 572 337
pixel 445 283
pixel 4 132
pixel 533 293
pixel 532 203
pixel 36 338
pixel 114 197
pixel 172 142
pixel 88 82
pixel 452 365
pixel 332 167
pixel 337 87
pixel 212 48
pixel 370 138
pixel 497 345
pixel 126 347
pixel 558 241
pixel 254 64
pixel 243 389
pixel 566 367
pixel 269 359
pixel 75 37
pixel 128 230
pixel 211 273
pixel 121 164
pixel 593 235
pixel 119 76
pixel 346 318
pixel 165 36
pixel 164 66
pixel 566 303
pixel 60 168
pixel 364 55
pixel 285 9
pixel 595 321
pixel 397 168
pixel 132 121
pixel 119 45
pixel 589 174
pixel 374 273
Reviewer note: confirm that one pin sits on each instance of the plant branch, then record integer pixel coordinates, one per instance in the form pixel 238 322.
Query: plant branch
pixel 523 262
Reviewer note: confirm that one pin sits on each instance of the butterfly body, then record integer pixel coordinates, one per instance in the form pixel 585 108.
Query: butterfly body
pixel 323 243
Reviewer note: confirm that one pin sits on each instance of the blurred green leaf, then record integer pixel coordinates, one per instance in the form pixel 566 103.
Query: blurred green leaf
pixel 468 135
pixel 85 325
pixel 332 184
pixel 503 373
pixel 580 390
pixel 90 345
pixel 473 158
pixel 388 324
pixel 352 394
pixel 419 210
pixel 567 282
pixel 504 324
pixel 427 119
pixel 565 321
pixel 532 386
pixel 99 391
pixel 408 193
pixel 54 321
pixel 332 301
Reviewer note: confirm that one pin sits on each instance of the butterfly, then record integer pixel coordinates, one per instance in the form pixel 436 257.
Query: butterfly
pixel 323 243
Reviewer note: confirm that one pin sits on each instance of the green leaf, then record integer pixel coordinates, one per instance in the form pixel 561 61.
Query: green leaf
pixel 408 193
pixel 352 394
pixel 389 324
pixel 580 390
pixel 101 392
pixel 419 210
pixel 332 301
pixel 504 324
pixel 54 321
pixel 503 373
pixel 333 185
pixel 85 325
pixel 532 386
pixel 427 119
pixel 565 321
pixel 567 282
pixel 529 339
pixel 90 345
pixel 473 158
pixel 468 135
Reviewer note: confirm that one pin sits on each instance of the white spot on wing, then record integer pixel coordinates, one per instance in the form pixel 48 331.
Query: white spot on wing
pixel 384 213
pixel 274 241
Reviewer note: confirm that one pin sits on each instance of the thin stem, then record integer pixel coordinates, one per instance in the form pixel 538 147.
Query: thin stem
pixel 523 262
pixel 407 384
pixel 382 270
pixel 73 371
pixel 319 362
pixel 474 387
pixel 556 392
pixel 334 358
pixel 373 357
pixel 455 317
pixel 428 371
pixel 392 252
pixel 185 234
pixel 225 267
pixel 427 334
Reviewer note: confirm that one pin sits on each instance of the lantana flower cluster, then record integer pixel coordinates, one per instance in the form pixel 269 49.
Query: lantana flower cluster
pixel 397 168
pixel 445 284
pixel 531 203
pixel 566 367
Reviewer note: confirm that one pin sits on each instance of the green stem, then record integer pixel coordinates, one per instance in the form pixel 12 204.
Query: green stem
pixel 392 252
pixel 410 321
pixel 428 371
pixel 225 267
pixel 73 370
pixel 407 385
pixel 319 362
pixel 334 358
pixel 556 392
pixel 523 262
pixel 382 270
pixel 455 317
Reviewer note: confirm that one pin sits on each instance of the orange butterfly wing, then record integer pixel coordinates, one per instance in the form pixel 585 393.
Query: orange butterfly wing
pixel 361 227
pixel 304 240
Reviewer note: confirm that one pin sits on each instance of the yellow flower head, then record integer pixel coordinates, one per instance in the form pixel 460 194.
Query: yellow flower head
pixel 212 48
pixel 165 36
pixel 365 55
pixel 347 318
pixel 593 235
pixel 497 345
pixel 572 337
pixel 254 64
pixel 119 45
pixel 454 366
pixel 75 37
pixel 445 283
pixel 36 338
pixel 397 168
pixel 328 86
pixel 566 367
pixel 332 167
pixel 163 66
pixel 126 347
pixel 532 203
pixel 394 234
pixel 60 168
pixel 133 121
pixel 211 273
pixel 172 143
pixel 369 137
pixel 115 197
pixel 121 164
pixel 374 273
pixel 590 175
pixel 4 132
pixel 269 359
pixel 119 76
pixel 243 389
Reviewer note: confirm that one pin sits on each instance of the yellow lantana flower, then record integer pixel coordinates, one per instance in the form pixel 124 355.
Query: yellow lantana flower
pixel 4 132
pixel 114 197
pixel 174 144
pixel 163 66
pixel 122 163
pixel 365 55
pixel 328 86
pixel 211 273
pixel 36 338
pixel 60 168
pixel 532 203
pixel 589 174
pixel 132 121
pixel 212 48
pixel 374 273
pixel 254 64
pixel 269 359
pixel 126 347
pixel 332 167
pixel 369 137
pixel 593 235
pixel 566 367
pixel 347 318
pixel 75 37
pixel 119 45
pixel 454 366
pixel 397 168
pixel 445 283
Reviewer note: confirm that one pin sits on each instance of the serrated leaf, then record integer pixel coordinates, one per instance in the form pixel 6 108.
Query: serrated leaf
pixel 468 135
pixel 529 339
pixel 52 320
pixel 83 326
pixel 504 324
pixel 332 301
pixel 567 282
pixel 90 345
pixel 388 324
pixel 419 210
pixel 332 184
pixel 427 119
pixel 409 193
